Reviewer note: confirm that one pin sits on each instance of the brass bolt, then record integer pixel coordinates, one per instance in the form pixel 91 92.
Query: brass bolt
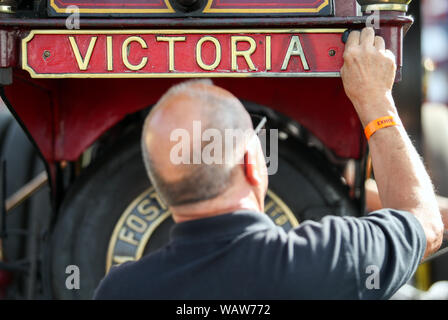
pixel 47 54
pixel 5 9
pixel 384 5
pixel 7 6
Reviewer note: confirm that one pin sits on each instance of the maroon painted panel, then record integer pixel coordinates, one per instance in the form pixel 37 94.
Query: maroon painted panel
pixel 138 7
pixel 345 8
pixel 77 111
pixel 36 105
pixel 105 6
pixel 311 5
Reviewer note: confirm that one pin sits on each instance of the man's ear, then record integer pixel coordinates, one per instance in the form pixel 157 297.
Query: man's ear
pixel 251 169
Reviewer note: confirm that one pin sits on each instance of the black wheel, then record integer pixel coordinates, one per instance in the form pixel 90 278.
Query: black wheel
pixel 112 214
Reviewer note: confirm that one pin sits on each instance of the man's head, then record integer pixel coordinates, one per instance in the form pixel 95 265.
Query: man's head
pixel 193 119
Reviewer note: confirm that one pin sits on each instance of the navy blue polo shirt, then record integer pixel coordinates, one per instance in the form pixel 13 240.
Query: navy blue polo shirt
pixel 244 255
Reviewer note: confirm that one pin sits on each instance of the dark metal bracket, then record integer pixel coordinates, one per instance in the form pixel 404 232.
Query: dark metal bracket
pixel 5 76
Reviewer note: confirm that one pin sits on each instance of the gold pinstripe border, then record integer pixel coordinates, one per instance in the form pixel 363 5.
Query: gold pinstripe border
pixel 33 74
pixel 169 9
pixel 209 9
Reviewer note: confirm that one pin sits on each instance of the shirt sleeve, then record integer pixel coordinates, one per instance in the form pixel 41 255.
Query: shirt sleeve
pixel 358 258
pixel 112 286
pixel 105 291
pixel 387 244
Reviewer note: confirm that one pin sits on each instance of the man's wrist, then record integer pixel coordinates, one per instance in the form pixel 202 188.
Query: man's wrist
pixel 384 134
pixel 376 107
pixel 378 124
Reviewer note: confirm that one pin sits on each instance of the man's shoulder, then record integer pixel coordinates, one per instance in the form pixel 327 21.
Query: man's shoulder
pixel 124 278
pixel 112 284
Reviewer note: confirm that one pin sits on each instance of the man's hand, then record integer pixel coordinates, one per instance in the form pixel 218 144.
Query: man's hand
pixel 403 183
pixel 368 75
pixel 443 205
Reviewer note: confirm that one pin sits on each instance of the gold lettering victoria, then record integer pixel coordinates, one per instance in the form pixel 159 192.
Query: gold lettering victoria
pixel 125 50
pixel 200 53
pixel 295 49
pixel 171 41
pixel 83 63
pixel 244 53
pixel 199 60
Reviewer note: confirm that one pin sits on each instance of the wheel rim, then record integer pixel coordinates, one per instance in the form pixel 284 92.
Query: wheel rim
pixel 144 215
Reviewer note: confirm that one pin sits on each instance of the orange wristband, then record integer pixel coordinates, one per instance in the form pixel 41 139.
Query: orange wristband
pixel 377 124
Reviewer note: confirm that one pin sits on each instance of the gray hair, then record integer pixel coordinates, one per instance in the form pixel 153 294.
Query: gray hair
pixel 200 181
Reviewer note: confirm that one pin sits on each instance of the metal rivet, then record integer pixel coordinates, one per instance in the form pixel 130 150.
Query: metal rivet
pixel 47 54
pixel 332 53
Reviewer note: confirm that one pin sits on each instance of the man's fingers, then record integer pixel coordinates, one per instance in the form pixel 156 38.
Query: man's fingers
pixel 391 55
pixel 379 43
pixel 353 39
pixel 367 37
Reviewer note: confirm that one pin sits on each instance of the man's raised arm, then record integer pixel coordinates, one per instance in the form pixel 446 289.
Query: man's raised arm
pixel 368 75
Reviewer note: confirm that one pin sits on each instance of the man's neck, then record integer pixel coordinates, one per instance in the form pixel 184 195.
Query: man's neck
pixel 214 207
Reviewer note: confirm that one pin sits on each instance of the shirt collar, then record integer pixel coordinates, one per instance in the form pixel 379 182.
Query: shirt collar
pixel 221 226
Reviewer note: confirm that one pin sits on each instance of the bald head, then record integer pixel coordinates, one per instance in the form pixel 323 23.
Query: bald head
pixel 188 119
